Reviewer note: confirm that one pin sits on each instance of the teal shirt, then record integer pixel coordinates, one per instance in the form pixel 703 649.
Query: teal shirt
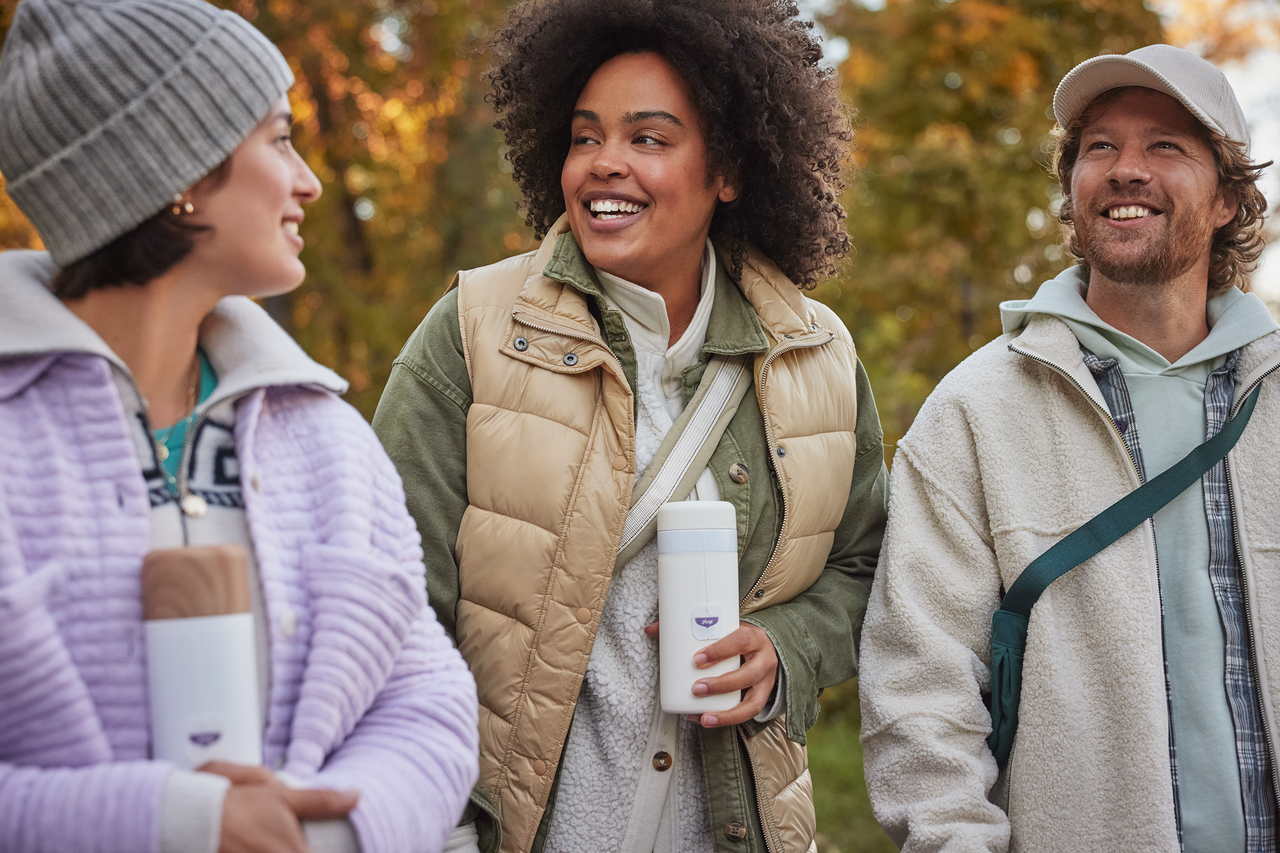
pixel 173 439
pixel 1169 408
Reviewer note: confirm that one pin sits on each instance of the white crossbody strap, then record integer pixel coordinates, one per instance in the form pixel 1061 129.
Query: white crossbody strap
pixel 685 450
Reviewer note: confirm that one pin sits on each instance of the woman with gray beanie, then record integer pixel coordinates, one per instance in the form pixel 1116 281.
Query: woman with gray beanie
pixel 158 430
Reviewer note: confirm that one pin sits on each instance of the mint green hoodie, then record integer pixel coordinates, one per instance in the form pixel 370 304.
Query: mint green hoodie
pixel 1169 410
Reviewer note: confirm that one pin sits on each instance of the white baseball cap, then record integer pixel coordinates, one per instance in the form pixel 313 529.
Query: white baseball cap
pixel 1199 86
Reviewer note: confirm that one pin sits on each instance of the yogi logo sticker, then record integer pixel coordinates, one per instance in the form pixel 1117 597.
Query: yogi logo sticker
pixel 706 622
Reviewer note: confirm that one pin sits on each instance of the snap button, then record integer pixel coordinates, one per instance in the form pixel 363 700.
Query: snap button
pixel 738 473
pixel 521 344
pixel 662 761
pixel 813 327
pixel 288 622
pixel 759 593
pixel 256 481
pixel 570 359
pixel 782 451
pixel 583 614
pixel 735 831
pixel 790 337
pixel 540 767
pixel 620 462
pixel 194 506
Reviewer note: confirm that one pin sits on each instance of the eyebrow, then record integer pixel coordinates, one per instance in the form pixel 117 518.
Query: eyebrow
pixel 632 118
pixel 1104 130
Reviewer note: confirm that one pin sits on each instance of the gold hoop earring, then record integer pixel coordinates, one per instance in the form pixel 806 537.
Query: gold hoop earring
pixel 180 207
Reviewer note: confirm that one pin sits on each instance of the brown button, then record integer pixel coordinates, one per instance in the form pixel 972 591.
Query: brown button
pixel 620 462
pixel 662 761
pixel 735 831
pixel 738 473
pixel 584 615
pixel 540 767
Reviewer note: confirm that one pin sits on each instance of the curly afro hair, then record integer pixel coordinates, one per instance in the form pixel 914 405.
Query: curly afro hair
pixel 771 113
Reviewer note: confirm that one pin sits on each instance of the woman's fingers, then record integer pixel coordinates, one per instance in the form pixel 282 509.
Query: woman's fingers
pixel 752 703
pixel 756 675
pixel 754 670
pixel 747 641
pixel 239 774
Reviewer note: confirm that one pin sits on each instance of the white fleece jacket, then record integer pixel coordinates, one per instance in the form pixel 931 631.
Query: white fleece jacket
pixel 1014 450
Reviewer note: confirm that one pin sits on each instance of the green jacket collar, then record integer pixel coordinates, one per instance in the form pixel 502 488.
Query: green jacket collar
pixel 733 329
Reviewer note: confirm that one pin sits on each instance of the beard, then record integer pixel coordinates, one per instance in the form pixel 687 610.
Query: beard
pixel 1144 259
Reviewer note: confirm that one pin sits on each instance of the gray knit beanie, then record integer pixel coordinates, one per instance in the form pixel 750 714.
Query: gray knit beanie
pixel 108 108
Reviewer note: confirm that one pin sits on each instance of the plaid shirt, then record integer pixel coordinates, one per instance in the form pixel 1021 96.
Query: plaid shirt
pixel 1224 575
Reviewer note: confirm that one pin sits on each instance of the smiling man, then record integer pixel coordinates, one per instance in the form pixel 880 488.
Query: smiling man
pixel 1151 676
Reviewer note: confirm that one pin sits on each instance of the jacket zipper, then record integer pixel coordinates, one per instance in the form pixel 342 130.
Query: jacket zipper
pixel 1105 414
pixel 772 446
pixel 760 809
pixel 761 805
pixel 1164 652
pixel 1248 613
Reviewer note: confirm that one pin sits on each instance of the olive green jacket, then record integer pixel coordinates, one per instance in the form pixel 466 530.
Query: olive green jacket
pixel 422 420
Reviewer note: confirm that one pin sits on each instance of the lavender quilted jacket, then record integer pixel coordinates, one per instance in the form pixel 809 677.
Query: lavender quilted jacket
pixel 367 693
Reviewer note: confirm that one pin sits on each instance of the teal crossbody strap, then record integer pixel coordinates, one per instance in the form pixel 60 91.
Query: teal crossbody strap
pixel 1009 624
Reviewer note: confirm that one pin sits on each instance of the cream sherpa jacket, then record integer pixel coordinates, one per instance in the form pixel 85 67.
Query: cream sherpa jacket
pixel 1014 450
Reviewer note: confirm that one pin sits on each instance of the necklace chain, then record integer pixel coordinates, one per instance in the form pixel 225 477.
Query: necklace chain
pixel 193 387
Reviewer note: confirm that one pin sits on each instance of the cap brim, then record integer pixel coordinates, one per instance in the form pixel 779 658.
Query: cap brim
pixel 1092 77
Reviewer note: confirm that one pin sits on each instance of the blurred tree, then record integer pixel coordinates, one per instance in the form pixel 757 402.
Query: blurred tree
pixel 1223 30
pixel 952 209
pixel 390 114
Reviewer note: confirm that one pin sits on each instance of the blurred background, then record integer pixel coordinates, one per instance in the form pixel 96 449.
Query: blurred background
pixel 951 204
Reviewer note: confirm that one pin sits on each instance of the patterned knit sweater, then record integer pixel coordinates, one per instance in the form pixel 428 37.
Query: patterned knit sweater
pixel 366 693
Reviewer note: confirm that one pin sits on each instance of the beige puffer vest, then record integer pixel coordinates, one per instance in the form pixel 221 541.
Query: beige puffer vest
pixel 550 467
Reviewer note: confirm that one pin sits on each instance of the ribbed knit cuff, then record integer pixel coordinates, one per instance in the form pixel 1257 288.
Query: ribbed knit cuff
pixel 465 839
pixel 191 812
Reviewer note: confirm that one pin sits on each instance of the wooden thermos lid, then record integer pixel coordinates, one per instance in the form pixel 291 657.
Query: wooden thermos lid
pixel 206 580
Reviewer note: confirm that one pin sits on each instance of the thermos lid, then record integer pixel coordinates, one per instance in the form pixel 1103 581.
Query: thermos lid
pixel 697 515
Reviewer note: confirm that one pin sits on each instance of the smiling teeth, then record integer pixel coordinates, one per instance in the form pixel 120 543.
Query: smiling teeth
pixel 608 208
pixel 292 228
pixel 1133 211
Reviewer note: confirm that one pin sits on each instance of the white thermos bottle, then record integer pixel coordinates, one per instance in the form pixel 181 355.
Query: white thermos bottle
pixel 202 665
pixel 697 599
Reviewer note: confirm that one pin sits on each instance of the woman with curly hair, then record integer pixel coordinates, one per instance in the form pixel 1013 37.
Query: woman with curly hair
pixel 682 160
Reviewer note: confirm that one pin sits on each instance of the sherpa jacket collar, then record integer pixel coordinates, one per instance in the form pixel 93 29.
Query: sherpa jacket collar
pixel 1047 339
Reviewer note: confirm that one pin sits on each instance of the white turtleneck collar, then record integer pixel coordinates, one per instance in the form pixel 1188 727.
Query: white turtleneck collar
pixel 645 315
